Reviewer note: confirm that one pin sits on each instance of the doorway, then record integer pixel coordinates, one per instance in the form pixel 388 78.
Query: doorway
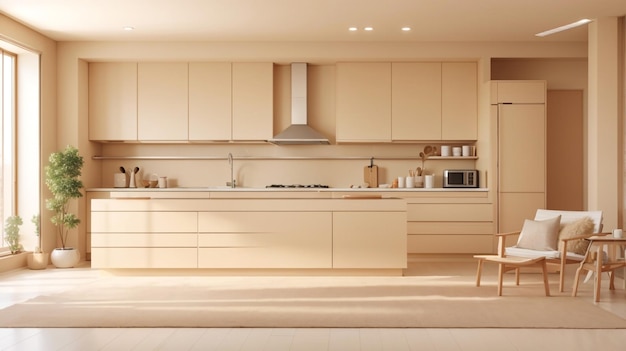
pixel 565 150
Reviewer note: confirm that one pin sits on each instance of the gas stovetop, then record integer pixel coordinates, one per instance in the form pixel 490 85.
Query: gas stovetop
pixel 297 186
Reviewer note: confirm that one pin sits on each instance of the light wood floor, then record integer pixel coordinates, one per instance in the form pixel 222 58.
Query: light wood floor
pixel 21 285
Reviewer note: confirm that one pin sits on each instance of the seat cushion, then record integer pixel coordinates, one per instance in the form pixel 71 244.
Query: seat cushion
pixel 550 255
pixel 540 235
pixel 579 227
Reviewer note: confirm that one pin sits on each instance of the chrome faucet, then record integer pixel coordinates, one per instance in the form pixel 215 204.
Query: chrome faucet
pixel 232 182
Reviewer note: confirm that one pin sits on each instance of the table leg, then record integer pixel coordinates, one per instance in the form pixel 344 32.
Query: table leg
pixel 577 279
pixel 596 293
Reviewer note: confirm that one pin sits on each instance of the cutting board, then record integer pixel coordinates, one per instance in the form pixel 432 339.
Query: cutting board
pixel 370 175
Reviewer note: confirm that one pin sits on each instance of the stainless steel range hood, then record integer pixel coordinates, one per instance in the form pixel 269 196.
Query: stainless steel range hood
pixel 299 133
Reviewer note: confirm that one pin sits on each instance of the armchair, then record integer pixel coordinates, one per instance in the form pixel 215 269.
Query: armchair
pixel 560 255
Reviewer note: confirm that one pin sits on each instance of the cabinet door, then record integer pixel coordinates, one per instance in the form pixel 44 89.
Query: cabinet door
pixel 522 148
pixel 369 240
pixel 363 102
pixel 522 92
pixel 416 101
pixel 162 101
pixel 210 101
pixel 459 101
pixel 265 239
pixel 112 101
pixel 253 100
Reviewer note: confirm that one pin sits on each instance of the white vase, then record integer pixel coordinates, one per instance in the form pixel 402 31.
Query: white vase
pixel 65 258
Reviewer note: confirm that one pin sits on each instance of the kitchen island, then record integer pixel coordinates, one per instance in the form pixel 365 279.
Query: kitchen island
pixel 438 222
pixel 235 235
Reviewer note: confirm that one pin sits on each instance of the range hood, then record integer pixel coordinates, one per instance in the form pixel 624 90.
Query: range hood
pixel 299 133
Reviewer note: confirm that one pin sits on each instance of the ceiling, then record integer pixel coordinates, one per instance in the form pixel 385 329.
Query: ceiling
pixel 310 20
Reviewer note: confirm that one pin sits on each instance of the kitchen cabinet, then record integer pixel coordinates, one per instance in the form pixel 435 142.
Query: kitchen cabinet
pixel 113 101
pixel 210 101
pixel 459 101
pixel 253 239
pixel 521 151
pixel 461 225
pixel 369 239
pixel 253 101
pixel 363 105
pixel 407 101
pixel 162 101
pixel 355 235
pixel 143 239
pixel 416 101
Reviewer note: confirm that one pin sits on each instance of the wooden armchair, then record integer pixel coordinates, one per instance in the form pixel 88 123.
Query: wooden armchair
pixel 562 256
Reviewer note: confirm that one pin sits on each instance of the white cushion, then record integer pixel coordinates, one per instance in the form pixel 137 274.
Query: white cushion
pixel 571 216
pixel 540 235
pixel 549 254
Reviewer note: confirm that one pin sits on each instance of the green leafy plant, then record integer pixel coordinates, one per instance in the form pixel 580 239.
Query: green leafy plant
pixel 35 220
pixel 62 178
pixel 12 233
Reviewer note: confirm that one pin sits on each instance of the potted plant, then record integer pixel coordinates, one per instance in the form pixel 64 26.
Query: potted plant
pixel 62 178
pixel 37 259
pixel 12 233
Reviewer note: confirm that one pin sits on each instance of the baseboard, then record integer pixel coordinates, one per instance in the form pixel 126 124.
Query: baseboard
pixel 13 261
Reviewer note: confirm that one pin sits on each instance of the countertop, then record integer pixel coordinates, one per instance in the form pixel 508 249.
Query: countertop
pixel 244 189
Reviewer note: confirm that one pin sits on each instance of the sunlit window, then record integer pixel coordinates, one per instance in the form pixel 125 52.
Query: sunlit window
pixel 7 153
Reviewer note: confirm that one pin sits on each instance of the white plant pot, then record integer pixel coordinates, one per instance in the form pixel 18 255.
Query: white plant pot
pixel 37 260
pixel 65 258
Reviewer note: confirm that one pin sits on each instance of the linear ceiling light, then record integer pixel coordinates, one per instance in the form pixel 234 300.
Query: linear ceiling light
pixel 565 27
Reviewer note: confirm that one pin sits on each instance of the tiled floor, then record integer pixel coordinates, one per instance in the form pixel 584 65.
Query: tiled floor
pixel 22 285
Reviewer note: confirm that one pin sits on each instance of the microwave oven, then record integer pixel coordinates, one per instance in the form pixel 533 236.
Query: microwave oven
pixel 460 178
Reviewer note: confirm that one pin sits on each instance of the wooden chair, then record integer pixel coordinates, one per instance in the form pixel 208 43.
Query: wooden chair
pixel 512 263
pixel 560 257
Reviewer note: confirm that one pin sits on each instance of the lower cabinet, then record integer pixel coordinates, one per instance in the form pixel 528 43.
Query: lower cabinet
pixel 159 239
pixel 254 239
pixel 450 228
pixel 369 240
pixel 322 234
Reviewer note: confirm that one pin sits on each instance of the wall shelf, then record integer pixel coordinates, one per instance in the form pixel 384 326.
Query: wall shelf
pixel 286 158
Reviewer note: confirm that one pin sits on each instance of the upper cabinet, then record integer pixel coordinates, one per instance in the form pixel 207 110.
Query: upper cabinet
pixel 210 101
pixel 253 101
pixel 459 101
pixel 162 107
pixel 112 101
pixel 406 101
pixel 363 102
pixel 180 102
pixel 518 92
pixel 416 101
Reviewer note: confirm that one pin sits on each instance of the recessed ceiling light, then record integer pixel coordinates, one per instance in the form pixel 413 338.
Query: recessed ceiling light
pixel 353 29
pixel 129 28
pixel 368 28
pixel 406 29
pixel 565 27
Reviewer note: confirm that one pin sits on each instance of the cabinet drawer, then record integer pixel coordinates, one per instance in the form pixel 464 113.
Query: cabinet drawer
pixel 450 212
pixel 303 223
pixel 144 257
pixel 300 256
pixel 451 244
pixel 460 228
pixel 144 222
pixel 144 240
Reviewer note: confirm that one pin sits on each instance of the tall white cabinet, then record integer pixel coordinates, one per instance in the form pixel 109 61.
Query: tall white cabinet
pixel 518 108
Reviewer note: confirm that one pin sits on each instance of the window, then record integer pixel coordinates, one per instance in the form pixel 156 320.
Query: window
pixel 7 151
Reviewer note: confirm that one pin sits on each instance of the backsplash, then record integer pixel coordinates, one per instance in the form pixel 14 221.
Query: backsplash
pixel 259 165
